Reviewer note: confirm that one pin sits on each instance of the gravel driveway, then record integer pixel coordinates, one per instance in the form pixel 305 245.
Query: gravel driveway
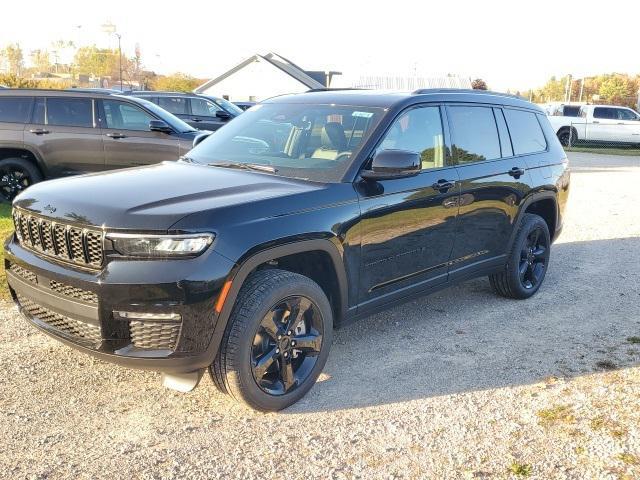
pixel 462 384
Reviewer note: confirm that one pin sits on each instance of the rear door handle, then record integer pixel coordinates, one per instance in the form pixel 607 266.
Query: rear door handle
pixel 39 131
pixel 516 172
pixel 443 185
pixel 196 120
pixel 116 135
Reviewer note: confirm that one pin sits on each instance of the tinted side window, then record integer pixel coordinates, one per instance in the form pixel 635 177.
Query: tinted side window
pixel 39 111
pixel 475 135
pixel 600 112
pixel 175 105
pixel 526 133
pixel 70 112
pixel 15 109
pixel 505 141
pixel 204 108
pixel 418 130
pixel 624 114
pixel 124 116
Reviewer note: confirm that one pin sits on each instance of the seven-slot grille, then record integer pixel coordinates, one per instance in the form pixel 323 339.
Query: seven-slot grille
pixel 77 245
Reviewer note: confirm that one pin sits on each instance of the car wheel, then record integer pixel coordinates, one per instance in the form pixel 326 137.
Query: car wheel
pixel 527 262
pixel 567 138
pixel 16 174
pixel 276 342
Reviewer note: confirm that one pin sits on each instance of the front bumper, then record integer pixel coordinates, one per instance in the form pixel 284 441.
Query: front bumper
pixel 77 306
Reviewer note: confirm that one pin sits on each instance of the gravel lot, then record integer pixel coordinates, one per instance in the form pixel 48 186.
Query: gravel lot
pixel 461 384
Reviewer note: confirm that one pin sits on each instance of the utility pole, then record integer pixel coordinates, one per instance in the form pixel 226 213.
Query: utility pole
pixel 111 28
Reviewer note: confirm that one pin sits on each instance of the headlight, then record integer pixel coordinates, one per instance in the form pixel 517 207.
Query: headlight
pixel 134 245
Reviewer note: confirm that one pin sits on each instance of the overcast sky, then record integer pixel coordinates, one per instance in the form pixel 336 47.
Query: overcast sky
pixel 511 44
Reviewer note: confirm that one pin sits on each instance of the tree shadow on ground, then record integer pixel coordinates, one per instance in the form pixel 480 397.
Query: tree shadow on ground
pixel 466 339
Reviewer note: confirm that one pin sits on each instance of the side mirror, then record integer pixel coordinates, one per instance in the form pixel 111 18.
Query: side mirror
pixel 200 137
pixel 221 114
pixel 389 164
pixel 159 126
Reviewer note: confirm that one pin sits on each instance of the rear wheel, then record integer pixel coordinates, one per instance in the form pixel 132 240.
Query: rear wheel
pixel 16 174
pixel 527 262
pixel 276 342
pixel 567 137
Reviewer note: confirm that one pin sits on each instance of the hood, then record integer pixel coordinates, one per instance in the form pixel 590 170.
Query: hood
pixel 153 197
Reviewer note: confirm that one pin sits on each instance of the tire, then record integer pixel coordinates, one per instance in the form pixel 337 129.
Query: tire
pixel 567 137
pixel 261 331
pixel 17 174
pixel 529 254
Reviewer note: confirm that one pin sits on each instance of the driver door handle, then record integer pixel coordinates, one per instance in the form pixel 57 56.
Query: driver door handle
pixel 39 131
pixel 116 135
pixel 516 172
pixel 443 185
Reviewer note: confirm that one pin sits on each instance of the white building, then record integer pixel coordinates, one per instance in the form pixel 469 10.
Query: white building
pixel 263 76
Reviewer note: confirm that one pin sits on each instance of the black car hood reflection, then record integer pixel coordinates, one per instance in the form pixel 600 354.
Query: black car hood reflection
pixel 153 197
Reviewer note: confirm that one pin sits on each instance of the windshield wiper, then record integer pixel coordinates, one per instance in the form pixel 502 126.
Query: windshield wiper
pixel 246 166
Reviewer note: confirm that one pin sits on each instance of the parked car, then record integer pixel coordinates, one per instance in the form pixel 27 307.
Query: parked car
pixel 47 134
pixel 200 111
pixel 598 123
pixel 245 105
pixel 306 213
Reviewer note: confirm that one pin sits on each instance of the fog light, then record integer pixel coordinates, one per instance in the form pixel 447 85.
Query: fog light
pixel 148 316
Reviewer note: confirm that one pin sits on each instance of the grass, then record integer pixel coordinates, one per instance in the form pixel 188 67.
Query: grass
pixel 628 151
pixel 629 459
pixel 633 339
pixel 520 469
pixel 6 227
pixel 554 415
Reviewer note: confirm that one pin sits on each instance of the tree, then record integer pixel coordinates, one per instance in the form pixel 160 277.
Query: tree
pixel 12 54
pixel 100 62
pixel 177 82
pixel 479 84
pixel 41 60
pixel 616 89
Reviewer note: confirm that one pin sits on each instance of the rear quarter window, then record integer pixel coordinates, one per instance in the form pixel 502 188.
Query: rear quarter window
pixel 15 109
pixel 526 133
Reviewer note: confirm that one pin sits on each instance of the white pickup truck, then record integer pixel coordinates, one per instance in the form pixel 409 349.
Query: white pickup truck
pixel 598 123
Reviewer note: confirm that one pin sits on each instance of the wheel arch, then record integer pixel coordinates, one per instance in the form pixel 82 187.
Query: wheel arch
pixel 25 152
pixel 285 257
pixel 543 204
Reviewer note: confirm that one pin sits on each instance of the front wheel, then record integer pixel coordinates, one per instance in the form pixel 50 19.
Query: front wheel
pixel 277 340
pixel 527 262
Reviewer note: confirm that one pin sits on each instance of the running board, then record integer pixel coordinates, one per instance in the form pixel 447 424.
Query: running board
pixel 182 382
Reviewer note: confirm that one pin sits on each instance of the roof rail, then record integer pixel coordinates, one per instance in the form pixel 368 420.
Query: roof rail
pixel 421 91
pixel 329 89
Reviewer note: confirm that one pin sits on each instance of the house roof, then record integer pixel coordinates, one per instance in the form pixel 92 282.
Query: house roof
pixel 274 59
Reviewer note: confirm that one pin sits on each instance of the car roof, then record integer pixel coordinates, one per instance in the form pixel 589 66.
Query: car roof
pixel 35 92
pixel 388 99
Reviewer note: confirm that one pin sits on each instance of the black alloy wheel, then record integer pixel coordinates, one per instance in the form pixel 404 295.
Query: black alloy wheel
pixel 276 341
pixel 533 259
pixel 527 262
pixel 16 175
pixel 286 345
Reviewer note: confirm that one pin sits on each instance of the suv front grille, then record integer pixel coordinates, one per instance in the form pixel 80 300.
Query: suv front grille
pixel 73 292
pixel 80 246
pixel 84 332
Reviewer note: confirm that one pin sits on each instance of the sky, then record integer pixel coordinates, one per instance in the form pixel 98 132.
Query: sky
pixel 510 44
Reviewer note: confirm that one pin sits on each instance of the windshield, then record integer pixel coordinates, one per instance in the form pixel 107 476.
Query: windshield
pixel 173 121
pixel 228 106
pixel 314 142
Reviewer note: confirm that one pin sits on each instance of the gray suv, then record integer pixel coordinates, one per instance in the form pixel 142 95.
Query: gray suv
pixel 47 134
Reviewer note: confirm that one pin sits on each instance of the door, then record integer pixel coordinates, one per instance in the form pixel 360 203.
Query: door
pixel 64 131
pixel 628 124
pixel 127 139
pixel 492 182
pixel 603 126
pixel 206 115
pixel 408 224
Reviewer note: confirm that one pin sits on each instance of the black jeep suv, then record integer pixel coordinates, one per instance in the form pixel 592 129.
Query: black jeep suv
pixel 304 213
